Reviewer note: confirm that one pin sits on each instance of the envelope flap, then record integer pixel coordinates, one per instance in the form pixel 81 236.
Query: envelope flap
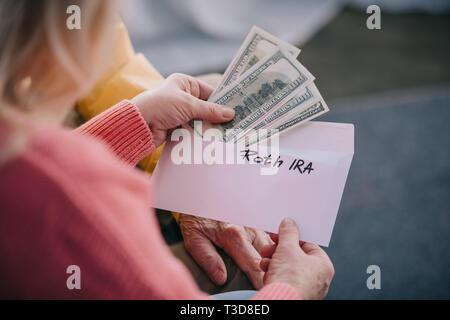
pixel 241 194
pixel 333 137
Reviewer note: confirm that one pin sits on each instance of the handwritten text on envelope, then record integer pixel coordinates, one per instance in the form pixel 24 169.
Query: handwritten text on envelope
pixel 310 194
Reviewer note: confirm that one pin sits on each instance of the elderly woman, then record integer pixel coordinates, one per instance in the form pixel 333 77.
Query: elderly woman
pixel 73 198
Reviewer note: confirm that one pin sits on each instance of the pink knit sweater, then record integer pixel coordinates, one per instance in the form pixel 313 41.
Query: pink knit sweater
pixel 74 198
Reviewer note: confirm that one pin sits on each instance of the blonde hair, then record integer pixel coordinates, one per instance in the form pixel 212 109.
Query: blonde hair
pixel 43 64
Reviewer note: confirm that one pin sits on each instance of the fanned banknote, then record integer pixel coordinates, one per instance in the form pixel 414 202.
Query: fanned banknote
pixel 268 88
pixel 294 106
pixel 261 90
pixel 256 46
pixel 312 111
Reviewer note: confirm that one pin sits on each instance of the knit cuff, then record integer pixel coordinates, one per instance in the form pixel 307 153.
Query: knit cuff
pixel 276 291
pixel 124 130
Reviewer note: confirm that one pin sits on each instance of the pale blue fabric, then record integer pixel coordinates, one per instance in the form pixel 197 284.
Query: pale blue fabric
pixel 236 295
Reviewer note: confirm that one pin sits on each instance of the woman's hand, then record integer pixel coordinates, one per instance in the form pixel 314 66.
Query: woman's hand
pixel 304 266
pixel 241 244
pixel 176 101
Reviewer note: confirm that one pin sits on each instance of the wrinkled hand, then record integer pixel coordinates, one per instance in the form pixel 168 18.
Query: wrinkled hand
pixel 304 266
pixel 177 100
pixel 240 243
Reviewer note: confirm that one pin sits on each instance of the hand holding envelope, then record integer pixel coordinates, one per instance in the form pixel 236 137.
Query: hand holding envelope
pixel 304 179
pixel 240 194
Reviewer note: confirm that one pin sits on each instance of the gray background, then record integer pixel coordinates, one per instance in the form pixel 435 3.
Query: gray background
pixel 393 84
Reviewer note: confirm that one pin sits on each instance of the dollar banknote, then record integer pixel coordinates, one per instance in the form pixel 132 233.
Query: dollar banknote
pixel 268 88
pixel 297 103
pixel 256 46
pixel 294 106
pixel 311 112
pixel 263 88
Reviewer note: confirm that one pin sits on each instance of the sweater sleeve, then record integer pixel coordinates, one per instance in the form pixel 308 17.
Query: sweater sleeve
pixel 124 130
pixel 128 74
pixel 276 291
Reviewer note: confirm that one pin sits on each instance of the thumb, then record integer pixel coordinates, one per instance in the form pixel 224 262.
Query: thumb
pixel 288 233
pixel 207 257
pixel 211 112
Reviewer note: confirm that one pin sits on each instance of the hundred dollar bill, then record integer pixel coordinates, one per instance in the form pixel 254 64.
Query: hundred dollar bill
pixel 294 106
pixel 317 109
pixel 261 89
pixel 313 112
pixel 279 96
pixel 256 46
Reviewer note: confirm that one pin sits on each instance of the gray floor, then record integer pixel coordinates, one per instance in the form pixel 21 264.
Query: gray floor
pixel 410 50
pixel 395 211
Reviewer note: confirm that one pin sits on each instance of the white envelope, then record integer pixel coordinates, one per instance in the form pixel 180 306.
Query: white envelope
pixel 240 194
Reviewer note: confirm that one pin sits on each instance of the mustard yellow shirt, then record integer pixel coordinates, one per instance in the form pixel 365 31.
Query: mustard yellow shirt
pixel 129 74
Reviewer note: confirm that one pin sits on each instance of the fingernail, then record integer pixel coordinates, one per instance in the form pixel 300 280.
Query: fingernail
pixel 227 112
pixel 288 221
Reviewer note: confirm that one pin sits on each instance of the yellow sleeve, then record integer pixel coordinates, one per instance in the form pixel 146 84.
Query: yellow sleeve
pixel 128 75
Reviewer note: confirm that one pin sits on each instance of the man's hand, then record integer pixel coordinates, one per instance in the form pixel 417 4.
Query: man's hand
pixel 240 243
